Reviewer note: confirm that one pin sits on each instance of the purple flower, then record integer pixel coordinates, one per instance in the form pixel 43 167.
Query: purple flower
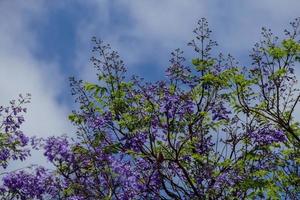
pixel 100 120
pixel 27 185
pixel 57 149
pixel 136 141
pixel 76 198
pixel 22 138
pixel 267 135
pixel 227 179
pixel 220 112
pixel 204 145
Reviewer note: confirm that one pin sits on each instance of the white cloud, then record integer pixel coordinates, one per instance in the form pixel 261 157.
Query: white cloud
pixel 152 29
pixel 22 72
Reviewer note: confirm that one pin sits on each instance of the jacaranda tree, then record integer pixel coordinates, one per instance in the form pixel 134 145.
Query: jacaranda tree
pixel 211 130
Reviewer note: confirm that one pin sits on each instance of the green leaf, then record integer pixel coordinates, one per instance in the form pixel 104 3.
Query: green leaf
pixel 113 148
pixel 291 45
pixel 89 86
pixel 77 119
pixel 197 157
pixel 279 73
pixel 277 52
pixel 195 61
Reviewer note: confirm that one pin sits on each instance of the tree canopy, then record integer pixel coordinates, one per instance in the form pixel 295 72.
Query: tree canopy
pixel 213 129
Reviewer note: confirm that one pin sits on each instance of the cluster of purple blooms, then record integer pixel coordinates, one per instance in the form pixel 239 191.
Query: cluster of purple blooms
pixel 99 121
pixel 136 141
pixel 12 139
pixel 58 149
pixel 173 105
pixel 227 179
pixel 28 185
pixel 267 135
pixel 219 112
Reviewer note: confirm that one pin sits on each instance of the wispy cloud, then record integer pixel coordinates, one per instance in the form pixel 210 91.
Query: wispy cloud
pixel 150 30
pixel 22 72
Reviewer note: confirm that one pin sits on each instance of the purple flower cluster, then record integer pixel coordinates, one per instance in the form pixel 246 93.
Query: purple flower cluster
pixel 128 178
pixel 136 141
pixel 58 149
pixel 173 105
pixel 219 112
pixel 12 139
pixel 135 178
pixel 12 118
pixel 267 135
pixel 100 121
pixel 227 179
pixel 27 185
pixel 204 145
pixel 76 198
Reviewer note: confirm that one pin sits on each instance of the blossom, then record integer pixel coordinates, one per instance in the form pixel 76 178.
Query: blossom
pixel 76 197
pixel 26 184
pixel 227 179
pixel 13 140
pixel 267 135
pixel 220 112
pixel 57 149
pixel 136 141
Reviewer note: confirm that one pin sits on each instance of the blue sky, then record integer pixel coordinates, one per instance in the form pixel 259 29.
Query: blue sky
pixel 42 43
